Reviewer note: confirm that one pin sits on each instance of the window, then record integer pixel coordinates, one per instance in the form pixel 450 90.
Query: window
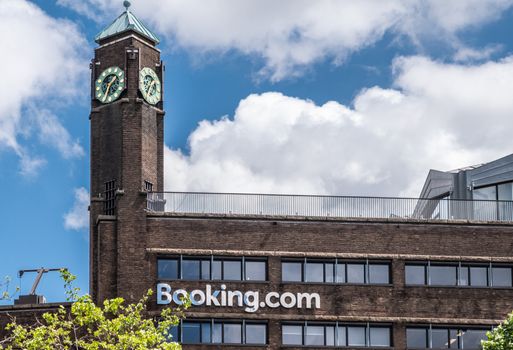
pixel 256 270
pixel 291 271
pixel 109 205
pixel 442 275
pixel 335 271
pixel 444 338
pixel 492 210
pixel 220 332
pixel 256 333
pixel 336 334
pixel 167 269
pixel 212 268
pixel 415 274
pixel 292 335
pixel 458 274
pixel 148 186
pixel 501 276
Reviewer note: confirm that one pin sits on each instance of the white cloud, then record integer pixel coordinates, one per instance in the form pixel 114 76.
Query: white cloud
pixel 78 217
pixel 440 116
pixel 42 64
pixel 291 35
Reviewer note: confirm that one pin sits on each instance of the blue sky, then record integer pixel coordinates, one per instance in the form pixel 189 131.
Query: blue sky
pixel 325 97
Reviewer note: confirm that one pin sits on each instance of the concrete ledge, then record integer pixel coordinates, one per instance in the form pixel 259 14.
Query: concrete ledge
pixel 162 215
pixel 280 253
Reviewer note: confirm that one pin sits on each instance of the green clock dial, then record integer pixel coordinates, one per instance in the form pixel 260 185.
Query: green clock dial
pixel 110 84
pixel 149 85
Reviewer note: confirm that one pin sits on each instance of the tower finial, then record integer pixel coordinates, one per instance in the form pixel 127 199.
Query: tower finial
pixel 127 5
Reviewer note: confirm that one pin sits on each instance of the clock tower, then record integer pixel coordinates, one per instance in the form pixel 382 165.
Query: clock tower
pixel 127 123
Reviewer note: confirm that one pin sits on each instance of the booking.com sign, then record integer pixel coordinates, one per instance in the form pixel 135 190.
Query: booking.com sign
pixel 251 300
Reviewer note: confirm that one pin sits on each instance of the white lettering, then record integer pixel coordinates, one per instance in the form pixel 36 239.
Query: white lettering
pixel 308 297
pixel 163 294
pixel 289 304
pixel 250 300
pixel 270 303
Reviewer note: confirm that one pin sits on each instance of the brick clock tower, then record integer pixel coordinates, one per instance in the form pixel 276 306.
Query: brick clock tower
pixel 127 123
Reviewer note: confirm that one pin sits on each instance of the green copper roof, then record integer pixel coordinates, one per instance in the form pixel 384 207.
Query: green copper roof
pixel 124 23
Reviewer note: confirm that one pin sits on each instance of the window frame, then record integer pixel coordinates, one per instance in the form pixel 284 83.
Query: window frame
pixel 337 264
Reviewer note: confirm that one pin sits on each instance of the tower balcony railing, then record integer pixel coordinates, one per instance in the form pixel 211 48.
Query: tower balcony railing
pixel 328 206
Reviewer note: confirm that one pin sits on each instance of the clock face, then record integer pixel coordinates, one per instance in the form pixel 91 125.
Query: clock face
pixel 149 85
pixel 110 84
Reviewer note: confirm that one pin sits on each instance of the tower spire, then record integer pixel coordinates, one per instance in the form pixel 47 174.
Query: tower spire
pixel 127 4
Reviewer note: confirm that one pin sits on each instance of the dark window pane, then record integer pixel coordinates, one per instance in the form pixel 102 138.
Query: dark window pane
pixel 478 276
pixel 501 276
pixel 329 272
pixel 217 333
pixel 232 333
pixel 454 339
pixel 485 210
pixel 355 273
pixel 379 273
pixel 442 275
pixel 314 335
pixel 232 270
pixel 341 336
pixel 356 336
pixel 314 272
pixel 256 334
pixel 173 334
pixel 205 333
pixel 216 270
pixel 341 273
pixel 472 338
pixel 205 269
pixel 415 275
pixel 440 338
pixel 291 271
pixel 330 335
pixel 463 278
pixel 379 336
pixel 190 269
pixel 191 333
pixel 168 269
pixel 255 270
pixel 292 335
pixel 416 338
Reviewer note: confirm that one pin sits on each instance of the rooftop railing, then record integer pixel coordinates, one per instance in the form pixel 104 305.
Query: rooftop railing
pixel 329 206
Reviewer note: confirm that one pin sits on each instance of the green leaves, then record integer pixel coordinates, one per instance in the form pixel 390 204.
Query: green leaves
pixel 115 325
pixel 501 337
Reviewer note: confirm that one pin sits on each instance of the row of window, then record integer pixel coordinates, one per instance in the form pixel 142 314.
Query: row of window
pixel 444 338
pixel 334 334
pixel 220 332
pixel 459 274
pixel 213 268
pixel 334 271
pixel 326 334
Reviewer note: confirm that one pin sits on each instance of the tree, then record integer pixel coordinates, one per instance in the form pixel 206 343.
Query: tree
pixel 501 337
pixel 112 326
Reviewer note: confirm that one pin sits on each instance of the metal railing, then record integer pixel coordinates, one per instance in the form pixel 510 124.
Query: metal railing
pixel 329 206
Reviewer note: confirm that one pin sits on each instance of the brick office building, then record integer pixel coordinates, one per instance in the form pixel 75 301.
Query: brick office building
pixel 275 271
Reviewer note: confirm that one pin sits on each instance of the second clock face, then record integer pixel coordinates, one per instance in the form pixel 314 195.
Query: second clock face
pixel 110 84
pixel 149 85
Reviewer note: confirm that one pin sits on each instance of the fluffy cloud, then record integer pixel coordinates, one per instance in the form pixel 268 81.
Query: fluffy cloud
pixel 42 64
pixel 290 35
pixel 437 115
pixel 78 217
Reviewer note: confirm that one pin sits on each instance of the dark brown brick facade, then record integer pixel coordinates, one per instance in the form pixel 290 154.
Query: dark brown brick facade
pixel 127 145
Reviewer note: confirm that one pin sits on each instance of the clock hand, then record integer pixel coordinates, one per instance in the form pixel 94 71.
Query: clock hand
pixel 108 88
pixel 149 87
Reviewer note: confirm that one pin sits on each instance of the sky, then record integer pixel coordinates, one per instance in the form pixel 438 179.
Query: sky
pixel 292 96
